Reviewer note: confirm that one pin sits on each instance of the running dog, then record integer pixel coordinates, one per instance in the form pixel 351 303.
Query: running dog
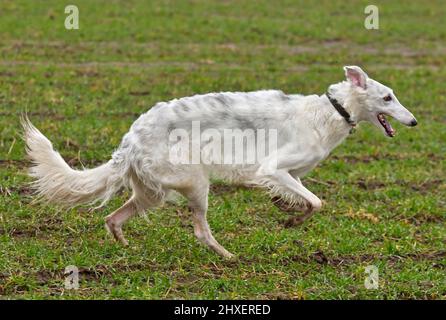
pixel 306 129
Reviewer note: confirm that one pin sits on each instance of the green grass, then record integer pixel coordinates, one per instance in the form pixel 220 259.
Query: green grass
pixel 384 198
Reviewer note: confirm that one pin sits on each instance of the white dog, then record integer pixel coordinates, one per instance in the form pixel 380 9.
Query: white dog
pixel 306 128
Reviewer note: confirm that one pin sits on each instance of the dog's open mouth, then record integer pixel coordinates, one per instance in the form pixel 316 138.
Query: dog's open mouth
pixel 386 125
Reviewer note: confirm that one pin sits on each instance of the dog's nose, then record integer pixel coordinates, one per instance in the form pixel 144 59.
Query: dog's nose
pixel 413 123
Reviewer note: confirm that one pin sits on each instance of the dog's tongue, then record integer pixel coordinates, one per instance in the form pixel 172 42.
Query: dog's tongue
pixel 387 126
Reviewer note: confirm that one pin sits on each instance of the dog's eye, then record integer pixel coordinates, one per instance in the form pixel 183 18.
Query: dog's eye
pixel 388 98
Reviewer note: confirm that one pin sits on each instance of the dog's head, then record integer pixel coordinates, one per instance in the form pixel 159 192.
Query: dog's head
pixel 374 101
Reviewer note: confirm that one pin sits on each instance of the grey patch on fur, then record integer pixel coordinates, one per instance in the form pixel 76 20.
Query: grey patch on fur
pixel 224 100
pixel 224 115
pixel 182 106
pixel 211 101
pixel 170 127
pixel 244 123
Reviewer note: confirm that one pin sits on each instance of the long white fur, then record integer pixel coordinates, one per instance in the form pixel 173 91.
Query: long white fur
pixel 56 182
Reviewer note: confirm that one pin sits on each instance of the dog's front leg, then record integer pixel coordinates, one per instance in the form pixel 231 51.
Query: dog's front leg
pixel 287 181
pixel 286 184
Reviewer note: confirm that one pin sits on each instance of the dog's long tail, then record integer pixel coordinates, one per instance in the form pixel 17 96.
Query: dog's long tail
pixel 57 183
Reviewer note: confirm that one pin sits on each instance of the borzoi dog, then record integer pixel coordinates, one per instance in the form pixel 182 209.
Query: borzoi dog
pixel 305 129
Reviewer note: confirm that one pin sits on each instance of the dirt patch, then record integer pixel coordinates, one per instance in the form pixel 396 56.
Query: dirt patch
pixel 435 157
pixel 320 257
pixel 22 190
pixel 15 163
pixel 46 115
pixel 87 73
pixel 352 159
pixel 399 49
pixel 433 256
pixel 40 230
pixel 337 261
pixel 110 64
pixel 283 296
pixel 6 74
pixel 370 185
pixel 429 185
pixel 424 217
pixel 214 269
pixel 366 158
pixel 43 277
pixel 139 93
pixel 18 233
pixel 184 281
pixel 424 187
pixel 436 255
pixel 94 274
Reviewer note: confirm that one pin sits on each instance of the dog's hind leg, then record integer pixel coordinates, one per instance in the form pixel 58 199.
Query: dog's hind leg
pixel 198 203
pixel 141 200
pixel 114 221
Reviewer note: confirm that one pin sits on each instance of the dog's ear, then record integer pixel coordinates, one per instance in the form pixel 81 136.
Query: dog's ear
pixel 356 76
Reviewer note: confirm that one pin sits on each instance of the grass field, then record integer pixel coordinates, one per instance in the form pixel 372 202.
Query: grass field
pixel 384 198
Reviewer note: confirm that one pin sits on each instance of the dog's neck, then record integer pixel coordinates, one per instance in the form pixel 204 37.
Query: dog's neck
pixel 343 94
pixel 336 126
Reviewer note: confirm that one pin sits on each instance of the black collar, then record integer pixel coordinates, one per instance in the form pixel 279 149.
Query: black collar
pixel 339 108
